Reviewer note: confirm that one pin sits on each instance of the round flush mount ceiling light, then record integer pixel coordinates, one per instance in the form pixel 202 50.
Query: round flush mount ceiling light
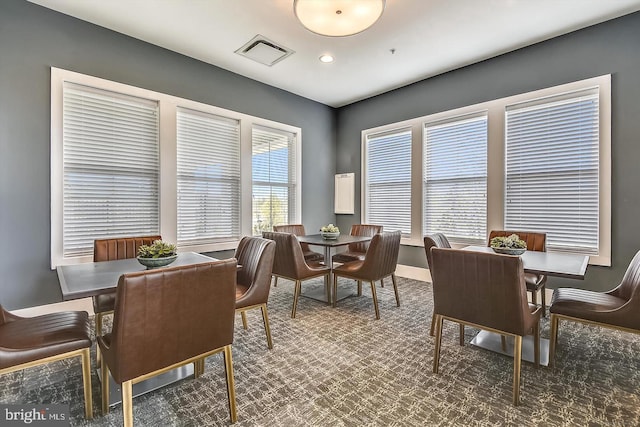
pixel 338 18
pixel 326 58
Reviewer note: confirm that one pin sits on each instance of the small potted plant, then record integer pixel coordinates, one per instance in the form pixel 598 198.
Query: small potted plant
pixel 510 245
pixel 329 232
pixel 157 254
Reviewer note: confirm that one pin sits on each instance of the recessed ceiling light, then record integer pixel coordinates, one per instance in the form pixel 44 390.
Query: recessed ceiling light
pixel 326 58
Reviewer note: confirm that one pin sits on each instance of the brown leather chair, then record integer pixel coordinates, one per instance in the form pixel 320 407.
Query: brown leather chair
pixel 253 281
pixel 33 341
pixel 438 240
pixel 289 263
pixel 298 230
pixel 535 282
pixel 357 251
pixel 168 318
pixel 109 250
pixel 380 262
pixel 495 280
pixel 618 308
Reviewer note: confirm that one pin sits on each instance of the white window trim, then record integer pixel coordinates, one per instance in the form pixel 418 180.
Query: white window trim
pixel 495 110
pixel 168 154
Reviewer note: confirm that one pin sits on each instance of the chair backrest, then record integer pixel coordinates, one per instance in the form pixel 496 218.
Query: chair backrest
pixel 289 260
pixel 535 241
pixel 629 287
pixel 169 315
pixel 297 229
pixel 481 288
pixel 256 256
pixel 363 230
pixel 120 247
pixel 382 256
pixel 435 240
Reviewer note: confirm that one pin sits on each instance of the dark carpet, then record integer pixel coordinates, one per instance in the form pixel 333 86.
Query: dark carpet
pixel 341 367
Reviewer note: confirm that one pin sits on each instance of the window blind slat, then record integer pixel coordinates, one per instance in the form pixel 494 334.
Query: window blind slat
pixel 110 167
pixel 455 179
pixel 552 172
pixel 388 187
pixel 208 169
pixel 274 178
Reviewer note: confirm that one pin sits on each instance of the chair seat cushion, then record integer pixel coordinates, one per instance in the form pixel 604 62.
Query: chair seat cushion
pixel 104 302
pixel 588 305
pixel 348 256
pixel 32 338
pixel 241 290
pixel 312 256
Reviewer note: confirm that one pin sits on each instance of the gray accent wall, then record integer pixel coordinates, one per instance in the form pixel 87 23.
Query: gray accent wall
pixel 33 39
pixel 608 48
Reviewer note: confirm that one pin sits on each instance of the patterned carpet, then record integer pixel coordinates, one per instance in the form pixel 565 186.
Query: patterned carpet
pixel 341 367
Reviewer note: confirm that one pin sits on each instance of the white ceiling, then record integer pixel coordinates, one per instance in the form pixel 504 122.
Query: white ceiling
pixel 429 37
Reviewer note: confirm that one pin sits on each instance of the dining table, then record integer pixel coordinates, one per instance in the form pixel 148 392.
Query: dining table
pixel 558 264
pixel 95 278
pixel 329 246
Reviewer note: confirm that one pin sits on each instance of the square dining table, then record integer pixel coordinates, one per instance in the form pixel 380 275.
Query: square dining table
pixel 329 245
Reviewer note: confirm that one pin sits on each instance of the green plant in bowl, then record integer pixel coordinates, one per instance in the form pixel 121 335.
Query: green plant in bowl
pixel 157 254
pixel 330 231
pixel 511 245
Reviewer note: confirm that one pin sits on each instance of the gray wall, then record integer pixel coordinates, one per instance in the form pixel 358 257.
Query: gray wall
pixel 33 39
pixel 608 48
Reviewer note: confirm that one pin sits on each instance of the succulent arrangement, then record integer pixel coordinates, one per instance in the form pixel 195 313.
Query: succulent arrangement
pixel 510 242
pixel 158 249
pixel 329 229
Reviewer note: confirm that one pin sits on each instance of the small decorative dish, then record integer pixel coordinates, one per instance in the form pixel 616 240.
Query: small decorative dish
pixel 330 235
pixel 157 262
pixel 509 251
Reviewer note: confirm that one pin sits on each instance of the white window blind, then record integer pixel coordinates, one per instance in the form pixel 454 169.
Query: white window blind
pixel 274 178
pixel 110 167
pixel 388 181
pixel 455 179
pixel 552 165
pixel 208 181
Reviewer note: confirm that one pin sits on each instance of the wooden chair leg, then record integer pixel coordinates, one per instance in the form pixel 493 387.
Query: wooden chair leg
pixel 536 344
pixel 375 299
pixel 296 295
pixel 359 288
pixel 517 362
pixel 382 283
pixel 275 281
pixel 553 340
pixel 127 403
pixel 98 319
pixel 436 350
pixel 334 300
pixel 543 298
pixel 395 289
pixel 267 329
pixel 243 314
pixel 503 343
pixel 461 334
pixel 104 370
pixel 231 388
pixel 433 325
pixel 86 384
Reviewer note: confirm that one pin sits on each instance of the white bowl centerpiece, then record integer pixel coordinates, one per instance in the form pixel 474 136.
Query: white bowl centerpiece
pixel 157 254
pixel 510 245
pixel 329 232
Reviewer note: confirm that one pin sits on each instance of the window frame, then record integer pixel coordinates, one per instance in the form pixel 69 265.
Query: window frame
pixel 496 160
pixel 168 105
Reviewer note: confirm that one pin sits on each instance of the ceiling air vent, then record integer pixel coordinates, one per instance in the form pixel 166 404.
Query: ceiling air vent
pixel 264 51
